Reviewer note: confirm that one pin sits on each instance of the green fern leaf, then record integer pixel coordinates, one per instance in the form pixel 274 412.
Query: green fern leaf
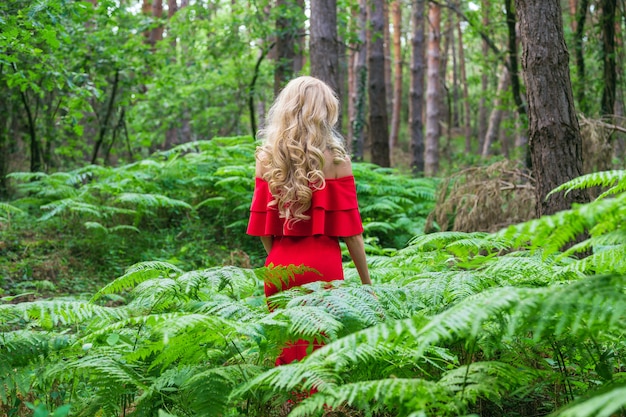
pixel 136 274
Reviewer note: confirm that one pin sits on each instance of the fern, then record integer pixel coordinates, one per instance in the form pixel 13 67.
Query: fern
pixel 616 180
pixel 605 402
pixel 136 274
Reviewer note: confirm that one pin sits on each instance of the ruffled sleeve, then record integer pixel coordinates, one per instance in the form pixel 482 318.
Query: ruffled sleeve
pixel 334 212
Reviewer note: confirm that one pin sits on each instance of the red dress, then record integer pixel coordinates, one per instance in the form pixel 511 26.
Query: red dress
pixel 314 243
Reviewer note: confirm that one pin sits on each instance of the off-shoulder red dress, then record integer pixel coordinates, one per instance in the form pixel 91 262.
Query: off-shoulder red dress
pixel 313 243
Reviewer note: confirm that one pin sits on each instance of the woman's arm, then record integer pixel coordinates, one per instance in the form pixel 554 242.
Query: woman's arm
pixel 356 247
pixel 267 243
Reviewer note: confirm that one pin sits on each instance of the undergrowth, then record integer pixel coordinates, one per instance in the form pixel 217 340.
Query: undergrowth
pixel 489 324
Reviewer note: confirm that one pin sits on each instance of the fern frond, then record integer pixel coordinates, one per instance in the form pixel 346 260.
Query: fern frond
pixel 240 282
pixel 441 239
pixel 151 200
pixel 615 179
pixel 102 369
pixel 54 312
pixel 10 209
pixel 488 380
pixel 136 274
pixel 605 402
pixel 403 396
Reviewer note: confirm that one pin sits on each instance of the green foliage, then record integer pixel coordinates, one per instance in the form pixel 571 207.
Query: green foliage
pixel 456 323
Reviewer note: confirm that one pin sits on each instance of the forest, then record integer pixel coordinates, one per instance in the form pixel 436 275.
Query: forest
pixel 488 144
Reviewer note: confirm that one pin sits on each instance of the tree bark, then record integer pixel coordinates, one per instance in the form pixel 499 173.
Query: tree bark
pixel 416 102
pixel 157 32
pixel 572 13
pixel 466 100
pixel 396 14
pixel 554 133
pixel 388 63
pixel 285 45
pixel 579 57
pixel 360 86
pixel 379 129
pixel 484 83
pixel 105 123
pixel 496 113
pixel 608 57
pixel 513 72
pixel 431 158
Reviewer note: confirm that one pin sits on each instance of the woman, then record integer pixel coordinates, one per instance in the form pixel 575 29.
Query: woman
pixel 305 195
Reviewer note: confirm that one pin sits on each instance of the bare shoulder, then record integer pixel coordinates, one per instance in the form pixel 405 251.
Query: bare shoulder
pixel 339 169
pixel 261 162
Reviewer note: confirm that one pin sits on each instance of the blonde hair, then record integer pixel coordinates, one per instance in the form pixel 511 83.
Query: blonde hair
pixel 299 128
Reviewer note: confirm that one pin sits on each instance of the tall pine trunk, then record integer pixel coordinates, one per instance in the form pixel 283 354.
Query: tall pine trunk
pixel 416 102
pixel 484 81
pixel 285 45
pixel 433 92
pixel 608 56
pixel 467 126
pixel 360 86
pixel 496 113
pixel 323 44
pixel 554 133
pixel 579 58
pixel 396 15
pixel 378 123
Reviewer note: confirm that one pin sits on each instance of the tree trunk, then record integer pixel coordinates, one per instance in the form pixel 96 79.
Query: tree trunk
pixel 608 56
pixel 378 124
pixel 416 102
pixel 299 43
pixel 360 86
pixel 146 10
pixel 388 64
pixel 433 92
pixel 484 82
pixel 323 45
pixel 396 14
pixel 572 13
pixel 466 100
pixel 454 118
pixel 496 113
pixel 105 123
pixel 554 134
pixel 285 46
pixel 581 16
pixel 513 72
pixel 157 11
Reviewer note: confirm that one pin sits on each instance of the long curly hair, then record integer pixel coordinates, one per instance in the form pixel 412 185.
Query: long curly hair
pixel 299 129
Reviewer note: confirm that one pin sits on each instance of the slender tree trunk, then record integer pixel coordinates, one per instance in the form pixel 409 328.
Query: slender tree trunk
pixel 466 100
pixel 579 57
pixel 285 44
pixel 554 134
pixel 157 32
pixel 416 102
pixel 455 118
pixel 35 149
pixel 298 60
pixel 484 82
pixel 572 13
pixel 360 86
pixel 608 56
pixel 396 13
pixel 146 10
pixel 496 113
pixel 105 123
pixel 388 63
pixel 378 123
pixel 513 72
pixel 433 92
